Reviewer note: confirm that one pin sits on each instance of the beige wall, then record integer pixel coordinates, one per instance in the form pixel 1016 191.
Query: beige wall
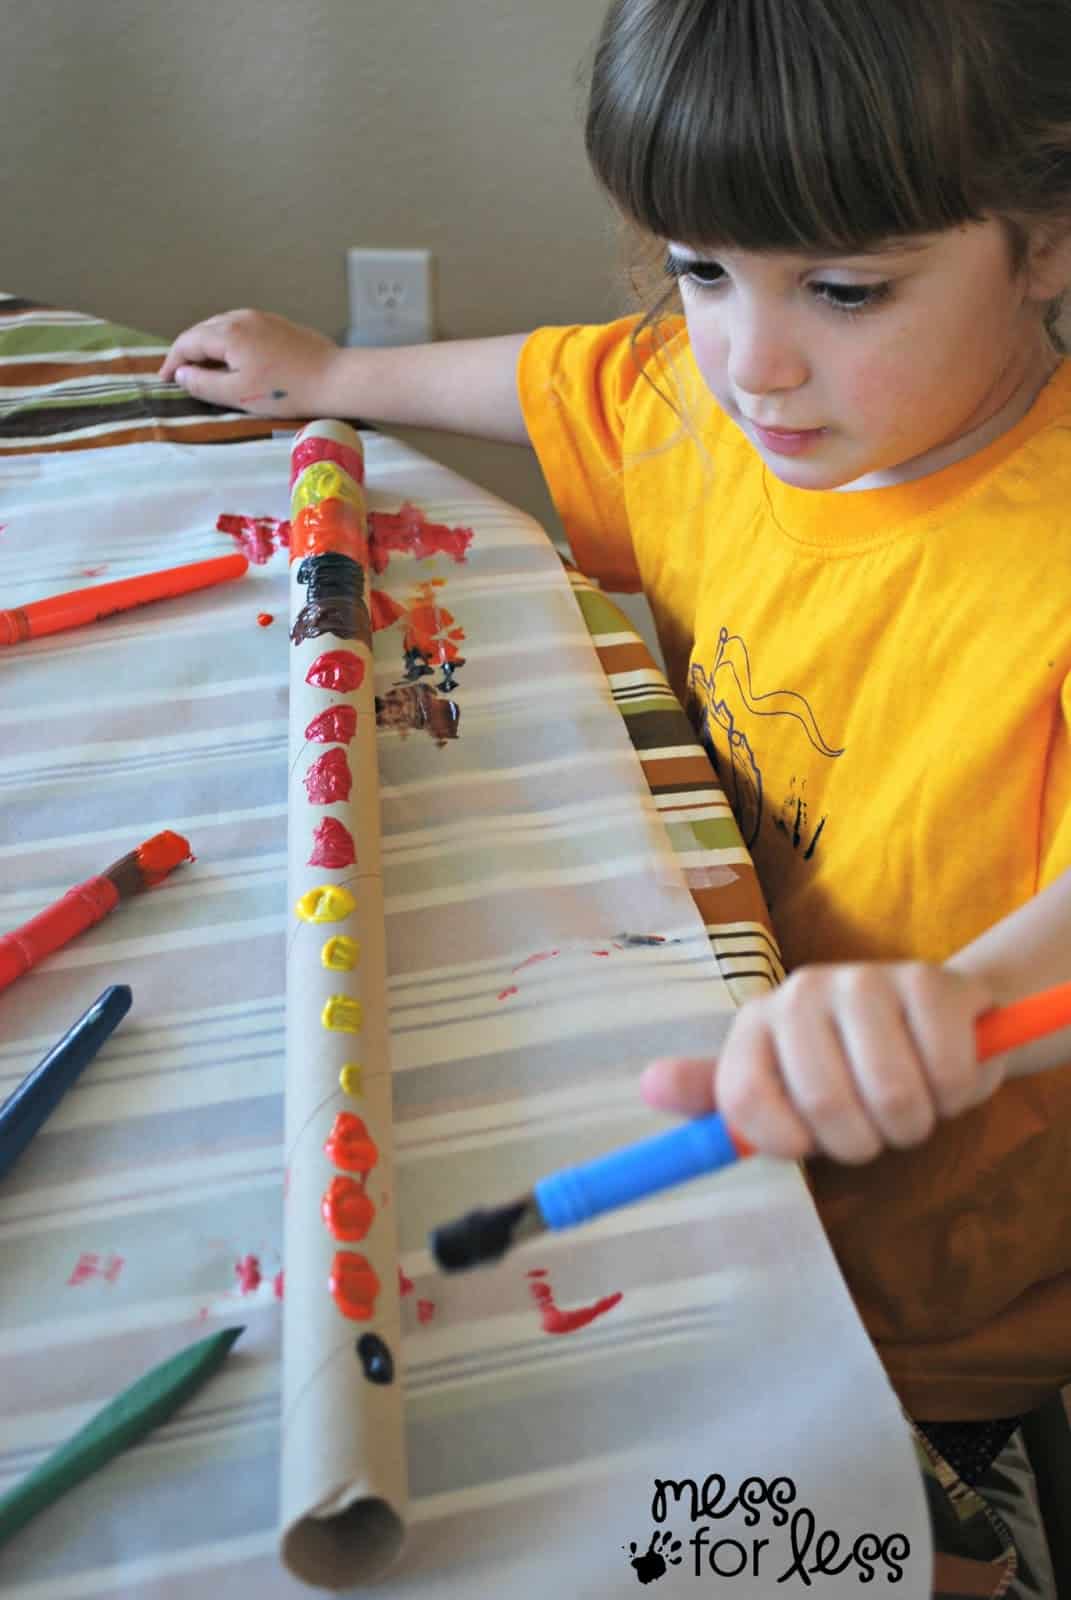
pixel 163 161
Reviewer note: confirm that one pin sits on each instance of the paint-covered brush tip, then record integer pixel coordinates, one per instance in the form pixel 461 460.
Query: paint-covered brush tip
pixel 479 1237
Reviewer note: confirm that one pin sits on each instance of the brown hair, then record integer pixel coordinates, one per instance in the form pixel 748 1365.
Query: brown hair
pixel 833 125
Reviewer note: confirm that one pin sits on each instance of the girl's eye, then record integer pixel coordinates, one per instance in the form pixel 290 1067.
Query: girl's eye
pixel 846 298
pixel 852 297
pixel 703 273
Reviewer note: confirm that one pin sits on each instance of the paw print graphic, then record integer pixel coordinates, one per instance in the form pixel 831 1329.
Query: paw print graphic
pixel 656 1560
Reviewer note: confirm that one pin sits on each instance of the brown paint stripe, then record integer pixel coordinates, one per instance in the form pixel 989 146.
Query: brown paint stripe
pixel 736 901
pixel 206 432
pixel 678 773
pixel 631 657
pixel 43 374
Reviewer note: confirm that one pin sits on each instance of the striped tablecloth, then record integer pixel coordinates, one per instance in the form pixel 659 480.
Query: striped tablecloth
pixel 515 859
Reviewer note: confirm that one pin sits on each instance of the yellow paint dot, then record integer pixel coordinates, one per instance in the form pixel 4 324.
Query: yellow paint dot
pixel 350 1078
pixel 341 1014
pixel 323 480
pixel 340 953
pixel 326 903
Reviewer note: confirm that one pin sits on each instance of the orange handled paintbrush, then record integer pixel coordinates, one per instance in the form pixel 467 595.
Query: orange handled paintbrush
pixel 89 902
pixel 81 606
pixel 694 1148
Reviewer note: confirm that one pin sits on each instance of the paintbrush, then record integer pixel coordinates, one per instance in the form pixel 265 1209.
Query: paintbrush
pixel 691 1150
pixel 38 1095
pixel 89 902
pixel 126 1419
pixel 78 607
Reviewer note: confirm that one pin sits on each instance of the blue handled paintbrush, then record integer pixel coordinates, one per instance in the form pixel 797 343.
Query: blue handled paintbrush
pixel 38 1095
pixel 578 1194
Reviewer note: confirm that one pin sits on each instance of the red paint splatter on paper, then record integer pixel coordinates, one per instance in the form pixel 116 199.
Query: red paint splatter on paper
pixel 328 779
pixel 264 619
pixel 504 994
pixel 557 1321
pixel 339 670
pixel 531 961
pixel 405 1285
pixel 383 610
pixel 336 725
pixel 428 628
pixel 89 1266
pixel 332 844
pixel 258 538
pixel 600 952
pixel 410 533
pixel 247 1271
pixel 278 1284
pixel 425 1310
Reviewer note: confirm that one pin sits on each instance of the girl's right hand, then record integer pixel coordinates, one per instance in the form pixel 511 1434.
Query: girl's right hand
pixel 254 361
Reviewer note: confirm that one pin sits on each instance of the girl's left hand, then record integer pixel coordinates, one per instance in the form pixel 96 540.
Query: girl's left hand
pixel 844 1060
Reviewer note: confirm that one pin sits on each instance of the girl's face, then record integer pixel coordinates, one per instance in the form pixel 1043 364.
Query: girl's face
pixel 897 360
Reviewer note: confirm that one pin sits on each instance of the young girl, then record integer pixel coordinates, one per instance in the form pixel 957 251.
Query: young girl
pixel 842 480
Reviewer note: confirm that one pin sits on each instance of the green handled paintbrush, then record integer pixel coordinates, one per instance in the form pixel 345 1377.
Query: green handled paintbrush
pixel 125 1420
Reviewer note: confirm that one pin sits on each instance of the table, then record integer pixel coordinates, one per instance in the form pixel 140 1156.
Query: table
pixel 515 858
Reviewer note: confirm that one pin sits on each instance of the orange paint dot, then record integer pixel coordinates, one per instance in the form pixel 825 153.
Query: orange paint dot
pixel 265 619
pixel 349 1144
pixel 347 1210
pixel 354 1285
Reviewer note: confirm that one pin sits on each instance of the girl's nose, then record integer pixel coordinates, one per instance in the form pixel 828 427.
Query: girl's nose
pixel 764 358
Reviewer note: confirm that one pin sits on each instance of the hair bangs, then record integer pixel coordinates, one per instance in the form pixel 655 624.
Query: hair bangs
pixel 826 126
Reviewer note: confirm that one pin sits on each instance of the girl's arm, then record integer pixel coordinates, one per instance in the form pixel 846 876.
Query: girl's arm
pixel 1025 952
pixel 263 363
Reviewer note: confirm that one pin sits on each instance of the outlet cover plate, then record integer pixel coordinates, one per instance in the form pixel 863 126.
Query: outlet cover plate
pixel 391 296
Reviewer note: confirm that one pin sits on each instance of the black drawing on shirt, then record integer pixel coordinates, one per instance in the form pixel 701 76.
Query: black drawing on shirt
pixel 793 821
pixel 721 702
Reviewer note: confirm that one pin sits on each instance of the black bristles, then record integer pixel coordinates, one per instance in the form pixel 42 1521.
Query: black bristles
pixel 479 1237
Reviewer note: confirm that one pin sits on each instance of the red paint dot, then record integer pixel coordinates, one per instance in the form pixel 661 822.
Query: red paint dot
pixel 339 670
pixel 347 1210
pixel 248 1273
pixel 405 1285
pixel 505 994
pixel 354 1285
pixel 332 845
pixel 336 725
pixel 425 1310
pixel 278 1284
pixel 265 619
pixel 349 1144
pixel 329 779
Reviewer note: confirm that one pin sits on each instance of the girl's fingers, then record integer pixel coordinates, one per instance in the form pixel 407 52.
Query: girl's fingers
pixel 679 1083
pixel 208 341
pixel 945 1038
pixel 817 1083
pixel 754 1095
pixel 886 1063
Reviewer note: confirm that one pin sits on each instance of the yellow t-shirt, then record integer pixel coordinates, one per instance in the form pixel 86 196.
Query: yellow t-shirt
pixel 881 678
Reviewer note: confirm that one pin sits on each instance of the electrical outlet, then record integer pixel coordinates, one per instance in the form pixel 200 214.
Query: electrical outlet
pixel 390 295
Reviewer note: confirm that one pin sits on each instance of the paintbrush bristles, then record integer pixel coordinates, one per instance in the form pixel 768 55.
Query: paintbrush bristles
pixel 484 1236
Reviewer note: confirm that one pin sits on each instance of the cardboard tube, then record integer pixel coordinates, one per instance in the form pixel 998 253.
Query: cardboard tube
pixel 343 1468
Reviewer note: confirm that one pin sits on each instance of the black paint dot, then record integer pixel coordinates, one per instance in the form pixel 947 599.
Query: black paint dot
pixel 376 1360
